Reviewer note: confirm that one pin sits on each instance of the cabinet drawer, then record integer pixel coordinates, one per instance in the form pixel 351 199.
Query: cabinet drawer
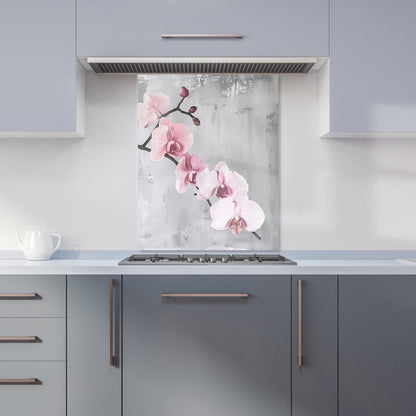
pixel 32 296
pixel 32 339
pixel 44 398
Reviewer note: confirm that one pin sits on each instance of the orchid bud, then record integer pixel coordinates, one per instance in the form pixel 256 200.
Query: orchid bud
pixel 196 121
pixel 183 92
pixel 193 109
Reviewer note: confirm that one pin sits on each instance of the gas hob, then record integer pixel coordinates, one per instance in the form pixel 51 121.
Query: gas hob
pixel 205 258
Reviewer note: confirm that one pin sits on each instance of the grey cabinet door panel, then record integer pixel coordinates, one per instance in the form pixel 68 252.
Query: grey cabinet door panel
pixel 49 302
pixel 186 357
pixel 372 66
pixel 270 27
pixel 377 344
pixel 50 344
pixel 38 60
pixel 94 386
pixel 314 384
pixel 45 398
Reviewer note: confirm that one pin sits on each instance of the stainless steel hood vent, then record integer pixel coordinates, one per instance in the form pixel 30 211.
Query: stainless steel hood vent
pixel 201 65
pixel 201 68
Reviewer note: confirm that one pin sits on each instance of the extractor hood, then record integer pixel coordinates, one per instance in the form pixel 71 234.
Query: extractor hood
pixel 203 65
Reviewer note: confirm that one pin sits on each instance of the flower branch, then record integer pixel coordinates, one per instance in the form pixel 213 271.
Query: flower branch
pixel 147 149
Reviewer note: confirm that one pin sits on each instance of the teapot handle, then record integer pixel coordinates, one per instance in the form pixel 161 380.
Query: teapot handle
pixel 19 239
pixel 59 241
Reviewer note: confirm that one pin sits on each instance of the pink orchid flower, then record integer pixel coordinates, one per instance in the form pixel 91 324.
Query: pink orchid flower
pixel 237 214
pixel 188 168
pixel 221 182
pixel 152 107
pixel 173 139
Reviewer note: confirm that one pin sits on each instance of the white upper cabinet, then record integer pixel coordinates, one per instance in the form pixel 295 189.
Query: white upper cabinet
pixel 372 87
pixel 40 83
pixel 269 27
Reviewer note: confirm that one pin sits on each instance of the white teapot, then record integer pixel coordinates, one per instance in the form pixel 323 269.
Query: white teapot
pixel 38 245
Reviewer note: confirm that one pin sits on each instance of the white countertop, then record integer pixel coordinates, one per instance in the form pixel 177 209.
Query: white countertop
pixel 304 266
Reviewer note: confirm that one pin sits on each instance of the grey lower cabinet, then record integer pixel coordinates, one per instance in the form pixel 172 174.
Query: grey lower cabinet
pixel 93 375
pixel 246 345
pixel 377 345
pixel 314 346
pixel 32 345
pixel 206 345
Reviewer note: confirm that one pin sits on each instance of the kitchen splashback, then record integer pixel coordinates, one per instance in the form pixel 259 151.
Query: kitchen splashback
pixel 226 196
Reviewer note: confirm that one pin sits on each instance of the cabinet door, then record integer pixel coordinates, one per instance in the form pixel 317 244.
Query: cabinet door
pixel 269 27
pixel 206 356
pixel 39 74
pixel 94 385
pixel 314 382
pixel 377 344
pixel 372 66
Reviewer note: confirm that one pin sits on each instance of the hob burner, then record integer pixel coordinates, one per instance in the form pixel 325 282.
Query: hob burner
pixel 205 258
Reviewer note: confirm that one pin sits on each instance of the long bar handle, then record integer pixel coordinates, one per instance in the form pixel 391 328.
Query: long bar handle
pixel 18 339
pixel 7 296
pixel 25 381
pixel 202 36
pixel 112 360
pixel 300 323
pixel 205 295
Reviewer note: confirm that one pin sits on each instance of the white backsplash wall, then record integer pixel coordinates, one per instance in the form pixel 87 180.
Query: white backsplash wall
pixel 335 194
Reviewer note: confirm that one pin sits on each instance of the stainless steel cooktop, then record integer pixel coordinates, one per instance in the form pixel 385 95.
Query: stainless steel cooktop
pixel 205 258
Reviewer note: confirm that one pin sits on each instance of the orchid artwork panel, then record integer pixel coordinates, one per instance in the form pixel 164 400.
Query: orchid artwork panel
pixel 208 162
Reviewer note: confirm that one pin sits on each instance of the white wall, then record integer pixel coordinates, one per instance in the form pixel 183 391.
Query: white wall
pixel 342 194
pixel 335 194
pixel 84 189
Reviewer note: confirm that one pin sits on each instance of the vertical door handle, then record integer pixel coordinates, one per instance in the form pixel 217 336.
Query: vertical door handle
pixel 299 322
pixel 112 358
